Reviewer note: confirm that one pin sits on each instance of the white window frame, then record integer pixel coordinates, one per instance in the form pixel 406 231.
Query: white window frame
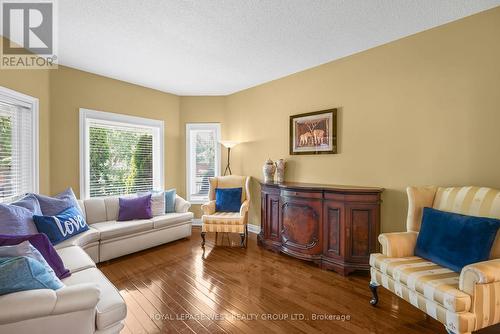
pixel 157 126
pixel 31 102
pixel 189 163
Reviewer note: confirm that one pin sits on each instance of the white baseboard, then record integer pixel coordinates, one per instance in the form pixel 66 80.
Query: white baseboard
pixel 251 228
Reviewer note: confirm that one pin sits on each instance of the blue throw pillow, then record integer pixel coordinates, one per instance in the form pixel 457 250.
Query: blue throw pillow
pixel 62 226
pixel 170 201
pixel 228 199
pixel 453 240
pixel 23 273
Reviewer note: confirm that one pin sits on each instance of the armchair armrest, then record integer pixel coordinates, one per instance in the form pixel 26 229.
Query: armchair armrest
pixel 479 273
pixel 31 304
pixel 208 208
pixel 244 207
pixel 181 205
pixel 398 244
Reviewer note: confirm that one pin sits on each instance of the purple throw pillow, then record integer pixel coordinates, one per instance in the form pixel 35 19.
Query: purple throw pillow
pixel 15 220
pixel 135 208
pixel 51 206
pixel 41 242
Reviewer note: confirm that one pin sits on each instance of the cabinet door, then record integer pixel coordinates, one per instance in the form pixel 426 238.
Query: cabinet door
pixel 301 225
pixel 333 229
pixel 361 231
pixel 272 217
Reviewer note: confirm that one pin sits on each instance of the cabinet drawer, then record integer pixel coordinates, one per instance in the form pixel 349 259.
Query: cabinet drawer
pixel 299 193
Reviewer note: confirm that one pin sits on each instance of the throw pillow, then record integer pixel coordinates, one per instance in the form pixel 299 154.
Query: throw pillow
pixel 62 226
pixel 228 199
pixel 15 220
pixel 41 242
pixel 453 240
pixel 23 273
pixel 51 206
pixel 26 249
pixel 29 202
pixel 135 208
pixel 157 202
pixel 170 201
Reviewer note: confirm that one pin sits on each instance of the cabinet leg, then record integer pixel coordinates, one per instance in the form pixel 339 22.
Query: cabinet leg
pixel 373 289
pixel 203 239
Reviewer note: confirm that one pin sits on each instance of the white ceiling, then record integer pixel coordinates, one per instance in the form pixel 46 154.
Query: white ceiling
pixel 217 47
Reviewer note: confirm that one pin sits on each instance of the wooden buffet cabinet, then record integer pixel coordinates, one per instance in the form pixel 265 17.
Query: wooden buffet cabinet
pixel 334 226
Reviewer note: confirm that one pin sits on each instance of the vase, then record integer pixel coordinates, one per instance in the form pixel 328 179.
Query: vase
pixel 269 170
pixel 280 170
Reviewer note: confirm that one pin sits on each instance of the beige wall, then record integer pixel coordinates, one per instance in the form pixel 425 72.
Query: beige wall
pixel 421 110
pixel 71 89
pixel 198 109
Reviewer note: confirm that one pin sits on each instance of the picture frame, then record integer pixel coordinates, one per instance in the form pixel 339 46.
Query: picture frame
pixel 314 132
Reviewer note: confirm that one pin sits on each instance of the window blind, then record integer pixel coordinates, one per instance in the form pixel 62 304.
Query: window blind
pixel 203 159
pixel 16 149
pixel 120 159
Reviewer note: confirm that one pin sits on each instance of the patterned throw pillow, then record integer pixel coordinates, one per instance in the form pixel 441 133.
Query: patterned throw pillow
pixel 51 206
pixel 157 202
pixel 23 273
pixel 62 226
pixel 26 249
pixel 42 243
pixel 15 220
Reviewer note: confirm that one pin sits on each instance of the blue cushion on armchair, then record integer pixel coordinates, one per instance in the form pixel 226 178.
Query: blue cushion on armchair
pixel 228 199
pixel 453 240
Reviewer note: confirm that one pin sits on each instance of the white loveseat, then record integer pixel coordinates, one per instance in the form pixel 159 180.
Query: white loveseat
pixel 89 302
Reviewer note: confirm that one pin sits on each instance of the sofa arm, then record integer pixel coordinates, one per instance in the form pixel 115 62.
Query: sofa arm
pixel 244 207
pixel 181 205
pixel 479 273
pixel 208 208
pixel 398 244
pixel 31 304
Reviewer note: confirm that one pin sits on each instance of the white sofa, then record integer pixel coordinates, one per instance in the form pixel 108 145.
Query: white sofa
pixel 89 302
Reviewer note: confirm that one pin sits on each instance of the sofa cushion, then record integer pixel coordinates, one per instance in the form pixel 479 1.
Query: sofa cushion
pixel 75 258
pixel 435 283
pixel 171 219
pixel 111 307
pixel 95 210
pixel 113 229
pixel 82 239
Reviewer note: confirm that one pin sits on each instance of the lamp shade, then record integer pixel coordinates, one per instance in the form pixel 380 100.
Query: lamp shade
pixel 229 143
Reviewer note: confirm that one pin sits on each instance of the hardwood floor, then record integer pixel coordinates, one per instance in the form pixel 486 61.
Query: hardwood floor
pixel 176 288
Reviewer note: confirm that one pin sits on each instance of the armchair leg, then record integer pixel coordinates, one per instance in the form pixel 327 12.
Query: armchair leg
pixel 246 235
pixel 373 289
pixel 242 236
pixel 203 239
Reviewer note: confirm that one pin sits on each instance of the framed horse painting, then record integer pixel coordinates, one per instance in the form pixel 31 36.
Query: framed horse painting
pixel 314 132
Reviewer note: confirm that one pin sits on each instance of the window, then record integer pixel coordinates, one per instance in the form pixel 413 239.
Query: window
pixel 119 154
pixel 18 144
pixel 202 158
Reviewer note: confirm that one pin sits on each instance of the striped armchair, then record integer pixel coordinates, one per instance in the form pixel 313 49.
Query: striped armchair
pixel 463 302
pixel 232 222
